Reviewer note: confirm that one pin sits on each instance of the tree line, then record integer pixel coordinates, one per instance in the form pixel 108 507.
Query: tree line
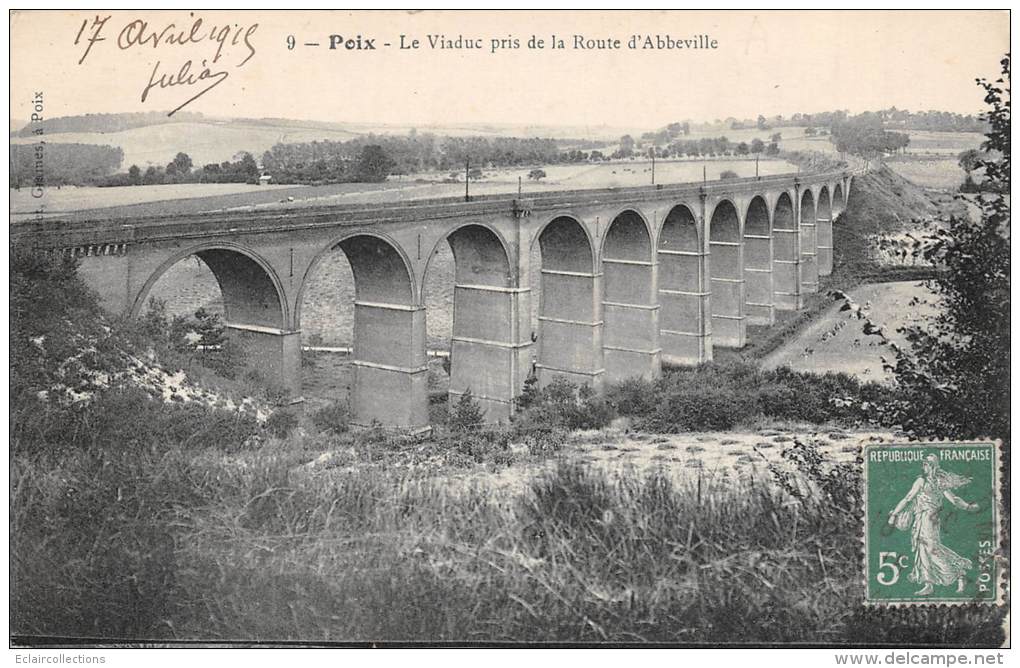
pixel 61 164
pixel 900 119
pixel 242 169
pixel 106 122
pixel 672 147
pixel 865 135
pixel 361 157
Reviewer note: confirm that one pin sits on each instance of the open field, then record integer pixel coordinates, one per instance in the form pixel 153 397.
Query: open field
pixel 947 143
pixel 835 342
pixel 192 198
pixel 68 199
pixel 936 173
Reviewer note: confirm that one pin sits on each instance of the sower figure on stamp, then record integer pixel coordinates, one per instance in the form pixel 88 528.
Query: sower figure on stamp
pixel 934 563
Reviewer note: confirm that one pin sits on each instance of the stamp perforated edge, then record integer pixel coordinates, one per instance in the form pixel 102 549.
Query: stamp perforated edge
pixel 1001 559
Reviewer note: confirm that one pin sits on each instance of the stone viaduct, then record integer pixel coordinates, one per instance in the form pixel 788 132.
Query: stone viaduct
pixel 630 278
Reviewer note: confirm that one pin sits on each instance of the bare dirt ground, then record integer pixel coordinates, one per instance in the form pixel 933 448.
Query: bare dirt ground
pixel 835 342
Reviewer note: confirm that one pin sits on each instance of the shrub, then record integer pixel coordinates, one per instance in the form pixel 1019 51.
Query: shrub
pixel 718 396
pixel 562 404
pixel 466 414
pixel 281 422
pixel 704 409
pixel 334 418
pixel 634 397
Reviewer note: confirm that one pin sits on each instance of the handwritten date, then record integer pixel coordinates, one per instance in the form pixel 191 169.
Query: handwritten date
pixel 140 34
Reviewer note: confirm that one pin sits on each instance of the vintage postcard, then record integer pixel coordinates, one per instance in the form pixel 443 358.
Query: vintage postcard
pixel 445 328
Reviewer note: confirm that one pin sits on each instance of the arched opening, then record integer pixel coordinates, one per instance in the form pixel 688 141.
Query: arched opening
pixel 630 303
pixel 684 317
pixel 838 201
pixel 489 349
pixel 727 277
pixel 185 287
pixel 785 256
pixel 326 311
pixel 570 309
pixel 388 385
pixel 758 264
pixel 233 284
pixel 824 232
pixel 808 243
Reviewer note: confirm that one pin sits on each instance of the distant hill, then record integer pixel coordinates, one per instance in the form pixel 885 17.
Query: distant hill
pixel 207 140
pixel 152 138
pixel 105 122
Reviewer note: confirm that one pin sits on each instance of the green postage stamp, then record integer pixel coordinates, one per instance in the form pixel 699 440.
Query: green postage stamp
pixel 932 520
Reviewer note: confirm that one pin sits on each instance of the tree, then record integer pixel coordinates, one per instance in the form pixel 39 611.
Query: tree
pixel 743 148
pixel 373 164
pixel 246 166
pixel 810 132
pixel 954 378
pixel 776 138
pixel 762 125
pixel 728 174
pixel 182 163
pixel 135 174
pixel 536 174
pixel 757 146
pixel 864 135
pixel 969 160
pixel 626 146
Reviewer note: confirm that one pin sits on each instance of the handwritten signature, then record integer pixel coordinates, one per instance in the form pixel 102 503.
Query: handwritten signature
pixel 139 33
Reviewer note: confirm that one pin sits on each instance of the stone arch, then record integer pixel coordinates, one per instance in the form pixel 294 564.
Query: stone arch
pixel 630 300
pixel 808 242
pixel 838 200
pixel 823 208
pixel 485 346
pixel 684 318
pixel 570 308
pixel 557 236
pixel 252 292
pixel 404 287
pixel 727 276
pixel 481 254
pixel 390 371
pixel 255 311
pixel 823 232
pixel 758 303
pixel 785 255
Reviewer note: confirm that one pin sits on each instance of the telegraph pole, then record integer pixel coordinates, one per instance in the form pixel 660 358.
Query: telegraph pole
pixel 467 179
pixel 653 165
pixel 755 165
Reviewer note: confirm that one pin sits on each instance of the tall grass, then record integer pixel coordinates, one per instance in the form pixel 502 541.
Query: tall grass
pixel 198 545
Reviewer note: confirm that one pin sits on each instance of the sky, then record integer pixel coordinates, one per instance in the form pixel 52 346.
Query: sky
pixel 767 62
